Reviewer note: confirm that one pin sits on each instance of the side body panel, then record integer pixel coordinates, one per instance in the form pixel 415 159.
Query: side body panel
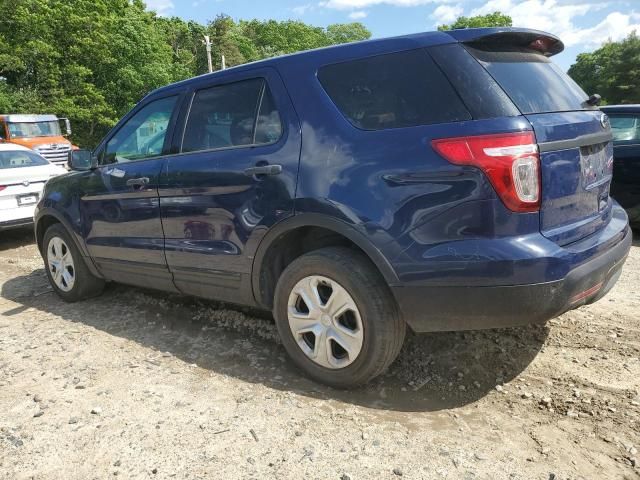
pixel 118 223
pixel 214 214
pixel 122 228
pixel 433 221
pixel 626 163
pixel 625 186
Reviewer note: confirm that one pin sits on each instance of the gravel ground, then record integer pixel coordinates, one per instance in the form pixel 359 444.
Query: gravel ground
pixel 137 384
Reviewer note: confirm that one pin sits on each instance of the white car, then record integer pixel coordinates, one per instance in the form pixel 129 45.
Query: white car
pixel 23 173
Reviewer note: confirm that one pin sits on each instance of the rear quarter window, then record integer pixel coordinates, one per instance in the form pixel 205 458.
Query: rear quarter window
pixel 395 90
pixel 482 96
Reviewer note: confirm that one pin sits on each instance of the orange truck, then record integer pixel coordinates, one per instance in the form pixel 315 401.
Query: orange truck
pixel 43 133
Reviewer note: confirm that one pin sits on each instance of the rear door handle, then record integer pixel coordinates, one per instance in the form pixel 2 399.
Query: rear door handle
pixel 138 182
pixel 263 170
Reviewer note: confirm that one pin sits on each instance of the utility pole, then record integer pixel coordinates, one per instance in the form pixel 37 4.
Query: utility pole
pixel 207 43
pixel 224 63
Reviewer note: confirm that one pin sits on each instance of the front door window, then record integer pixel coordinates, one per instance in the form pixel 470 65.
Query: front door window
pixel 143 135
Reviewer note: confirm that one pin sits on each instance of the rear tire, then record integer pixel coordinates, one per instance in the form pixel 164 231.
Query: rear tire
pixel 337 318
pixel 66 268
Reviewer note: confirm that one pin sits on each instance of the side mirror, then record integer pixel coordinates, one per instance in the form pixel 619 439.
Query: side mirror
pixel 81 160
pixel 67 126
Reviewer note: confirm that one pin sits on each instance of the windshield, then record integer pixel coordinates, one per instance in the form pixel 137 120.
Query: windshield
pixel 532 81
pixel 18 158
pixel 35 129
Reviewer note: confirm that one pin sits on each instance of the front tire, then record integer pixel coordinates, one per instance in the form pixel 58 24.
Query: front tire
pixel 337 318
pixel 66 268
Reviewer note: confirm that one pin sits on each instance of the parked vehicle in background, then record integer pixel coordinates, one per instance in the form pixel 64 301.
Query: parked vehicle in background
pixel 23 174
pixel 625 187
pixel 437 181
pixel 43 133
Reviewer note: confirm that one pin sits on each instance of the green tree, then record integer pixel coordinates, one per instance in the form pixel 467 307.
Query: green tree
pixel 92 60
pixel 270 38
pixel 347 32
pixel 89 60
pixel 16 100
pixel 495 19
pixel 224 35
pixel 185 40
pixel 613 71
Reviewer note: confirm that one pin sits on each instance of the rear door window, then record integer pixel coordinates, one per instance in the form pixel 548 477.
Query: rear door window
pixel 532 81
pixel 396 90
pixel 232 115
pixel 268 125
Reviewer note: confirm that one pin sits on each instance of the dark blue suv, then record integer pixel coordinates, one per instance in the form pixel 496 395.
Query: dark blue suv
pixel 439 181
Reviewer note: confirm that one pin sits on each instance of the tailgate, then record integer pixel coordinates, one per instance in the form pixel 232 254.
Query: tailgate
pixel 574 137
pixel 576 157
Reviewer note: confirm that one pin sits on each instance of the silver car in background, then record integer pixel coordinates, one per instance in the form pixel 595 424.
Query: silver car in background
pixel 23 173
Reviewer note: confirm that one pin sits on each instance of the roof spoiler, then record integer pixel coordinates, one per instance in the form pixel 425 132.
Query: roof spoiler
pixel 491 38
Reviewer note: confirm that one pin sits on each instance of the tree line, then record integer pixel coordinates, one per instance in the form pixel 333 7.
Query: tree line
pixel 92 60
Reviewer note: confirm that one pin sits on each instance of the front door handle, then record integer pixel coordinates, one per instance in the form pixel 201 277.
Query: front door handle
pixel 263 170
pixel 138 182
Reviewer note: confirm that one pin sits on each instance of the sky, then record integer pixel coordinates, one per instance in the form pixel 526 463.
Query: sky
pixel 583 25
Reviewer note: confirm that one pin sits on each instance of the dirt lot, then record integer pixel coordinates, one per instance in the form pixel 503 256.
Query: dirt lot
pixel 138 385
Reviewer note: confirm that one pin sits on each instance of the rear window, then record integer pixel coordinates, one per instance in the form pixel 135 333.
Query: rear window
pixel 18 158
pixel 625 127
pixel 396 90
pixel 532 81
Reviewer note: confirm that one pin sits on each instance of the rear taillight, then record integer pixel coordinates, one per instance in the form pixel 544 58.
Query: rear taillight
pixel 510 161
pixel 2 187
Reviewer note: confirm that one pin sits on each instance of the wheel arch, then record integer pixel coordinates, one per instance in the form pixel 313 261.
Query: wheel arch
pixel 327 231
pixel 48 217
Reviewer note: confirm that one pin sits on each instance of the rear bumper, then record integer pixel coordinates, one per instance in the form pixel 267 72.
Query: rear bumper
pixel 447 308
pixel 16 217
